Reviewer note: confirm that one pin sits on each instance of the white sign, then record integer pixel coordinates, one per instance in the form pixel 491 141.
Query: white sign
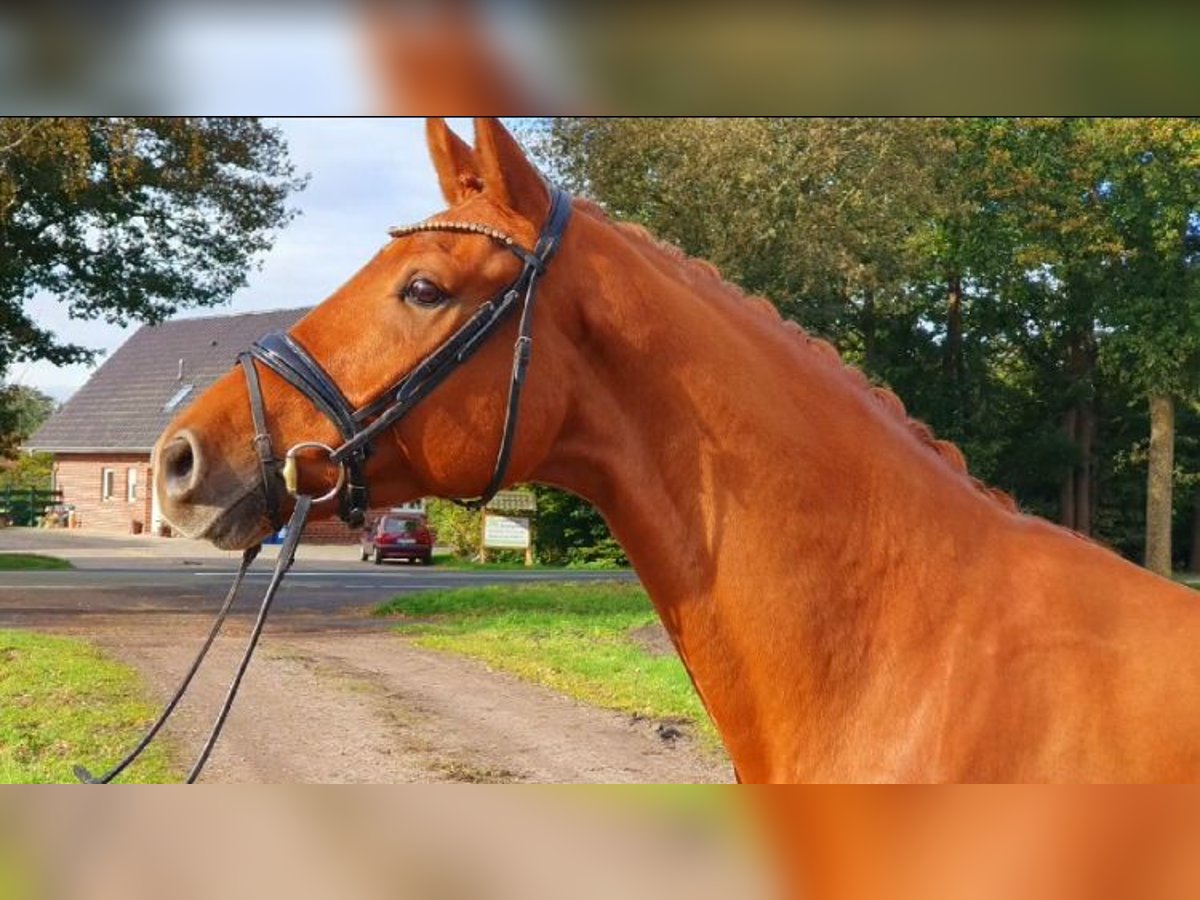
pixel 509 532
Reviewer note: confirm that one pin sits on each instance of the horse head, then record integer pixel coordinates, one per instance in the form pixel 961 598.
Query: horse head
pixel 419 292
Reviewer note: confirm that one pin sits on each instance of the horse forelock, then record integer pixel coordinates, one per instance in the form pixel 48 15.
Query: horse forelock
pixel 703 271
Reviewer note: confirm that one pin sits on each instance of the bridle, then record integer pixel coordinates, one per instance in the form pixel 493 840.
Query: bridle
pixel 283 355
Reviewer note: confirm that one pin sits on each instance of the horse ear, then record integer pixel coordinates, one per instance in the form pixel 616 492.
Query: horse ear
pixel 507 174
pixel 454 160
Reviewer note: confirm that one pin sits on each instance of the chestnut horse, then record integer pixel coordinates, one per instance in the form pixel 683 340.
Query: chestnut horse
pixel 850 604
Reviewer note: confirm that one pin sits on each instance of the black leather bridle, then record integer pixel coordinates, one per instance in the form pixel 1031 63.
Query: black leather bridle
pixel 282 354
pixel 359 427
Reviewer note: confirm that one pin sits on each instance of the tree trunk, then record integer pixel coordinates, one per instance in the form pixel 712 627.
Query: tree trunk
pixel 1084 482
pixel 1078 492
pixel 1194 557
pixel 1066 505
pixel 1158 484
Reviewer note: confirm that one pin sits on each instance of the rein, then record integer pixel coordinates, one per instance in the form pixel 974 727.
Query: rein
pixel 287 555
pixel 359 427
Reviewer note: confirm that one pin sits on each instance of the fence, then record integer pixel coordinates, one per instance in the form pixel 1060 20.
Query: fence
pixel 24 506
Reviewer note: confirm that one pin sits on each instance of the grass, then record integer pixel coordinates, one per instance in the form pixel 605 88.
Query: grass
pixel 62 702
pixel 574 638
pixel 458 564
pixel 23 562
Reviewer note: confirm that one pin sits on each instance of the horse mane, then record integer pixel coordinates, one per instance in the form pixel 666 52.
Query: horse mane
pixel 704 271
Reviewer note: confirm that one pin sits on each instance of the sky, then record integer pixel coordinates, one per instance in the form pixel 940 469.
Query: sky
pixel 367 175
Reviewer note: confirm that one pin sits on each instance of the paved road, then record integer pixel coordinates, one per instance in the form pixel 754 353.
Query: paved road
pixel 119 576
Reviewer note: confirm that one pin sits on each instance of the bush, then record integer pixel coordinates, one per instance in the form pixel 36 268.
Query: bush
pixel 457 528
pixel 571 532
pixel 567 532
pixel 29 470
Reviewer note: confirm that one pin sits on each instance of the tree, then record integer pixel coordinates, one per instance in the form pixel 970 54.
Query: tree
pixel 821 216
pixel 22 411
pixel 571 531
pixel 1041 186
pixel 131 219
pixel 456 527
pixel 1028 286
pixel 28 470
pixel 1151 191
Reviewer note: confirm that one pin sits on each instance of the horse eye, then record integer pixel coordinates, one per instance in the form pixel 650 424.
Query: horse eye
pixel 424 292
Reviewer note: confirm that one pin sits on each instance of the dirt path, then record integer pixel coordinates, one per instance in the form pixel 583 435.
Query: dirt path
pixel 340 705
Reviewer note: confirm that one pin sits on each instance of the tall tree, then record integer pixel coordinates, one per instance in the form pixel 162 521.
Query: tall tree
pixel 1151 191
pixel 1044 182
pixel 1019 281
pixel 131 218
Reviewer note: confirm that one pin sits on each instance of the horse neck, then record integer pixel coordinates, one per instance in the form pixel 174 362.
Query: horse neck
pixel 778 515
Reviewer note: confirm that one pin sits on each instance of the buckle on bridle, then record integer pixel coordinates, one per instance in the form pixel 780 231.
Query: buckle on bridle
pixel 291 475
pixel 262 446
pixel 522 350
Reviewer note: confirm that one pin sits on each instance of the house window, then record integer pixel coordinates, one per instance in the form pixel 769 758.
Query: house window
pixel 107 481
pixel 131 484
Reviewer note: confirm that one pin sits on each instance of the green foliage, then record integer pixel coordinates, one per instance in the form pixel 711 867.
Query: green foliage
pixel 571 532
pixel 29 470
pixel 457 528
pixel 1005 276
pixel 24 562
pixel 62 702
pixel 131 219
pixel 22 411
pixel 567 532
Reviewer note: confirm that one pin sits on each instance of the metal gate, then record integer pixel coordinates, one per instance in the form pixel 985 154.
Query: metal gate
pixel 24 506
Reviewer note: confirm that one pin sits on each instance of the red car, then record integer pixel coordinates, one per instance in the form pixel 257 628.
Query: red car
pixel 398 535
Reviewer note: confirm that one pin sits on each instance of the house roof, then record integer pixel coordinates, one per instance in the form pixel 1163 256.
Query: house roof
pixel 127 402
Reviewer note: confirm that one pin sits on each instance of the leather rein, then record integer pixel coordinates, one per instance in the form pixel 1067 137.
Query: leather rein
pixel 359 428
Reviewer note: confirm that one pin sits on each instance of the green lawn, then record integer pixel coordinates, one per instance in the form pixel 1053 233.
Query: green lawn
pixel 15 562
pixel 457 563
pixel 574 638
pixel 61 703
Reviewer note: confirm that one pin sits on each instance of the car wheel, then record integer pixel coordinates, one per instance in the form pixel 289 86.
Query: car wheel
pixel 427 560
pixel 378 557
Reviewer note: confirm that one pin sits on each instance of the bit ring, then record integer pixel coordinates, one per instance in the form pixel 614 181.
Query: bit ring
pixel 291 475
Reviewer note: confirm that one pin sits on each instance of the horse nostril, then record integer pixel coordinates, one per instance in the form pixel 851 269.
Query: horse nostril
pixel 179 466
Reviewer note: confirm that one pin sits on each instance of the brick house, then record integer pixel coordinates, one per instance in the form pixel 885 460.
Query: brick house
pixel 102 437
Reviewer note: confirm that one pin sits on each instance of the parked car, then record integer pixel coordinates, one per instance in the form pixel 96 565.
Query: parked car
pixel 398 535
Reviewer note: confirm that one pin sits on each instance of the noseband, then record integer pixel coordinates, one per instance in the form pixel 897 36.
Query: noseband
pixel 283 355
